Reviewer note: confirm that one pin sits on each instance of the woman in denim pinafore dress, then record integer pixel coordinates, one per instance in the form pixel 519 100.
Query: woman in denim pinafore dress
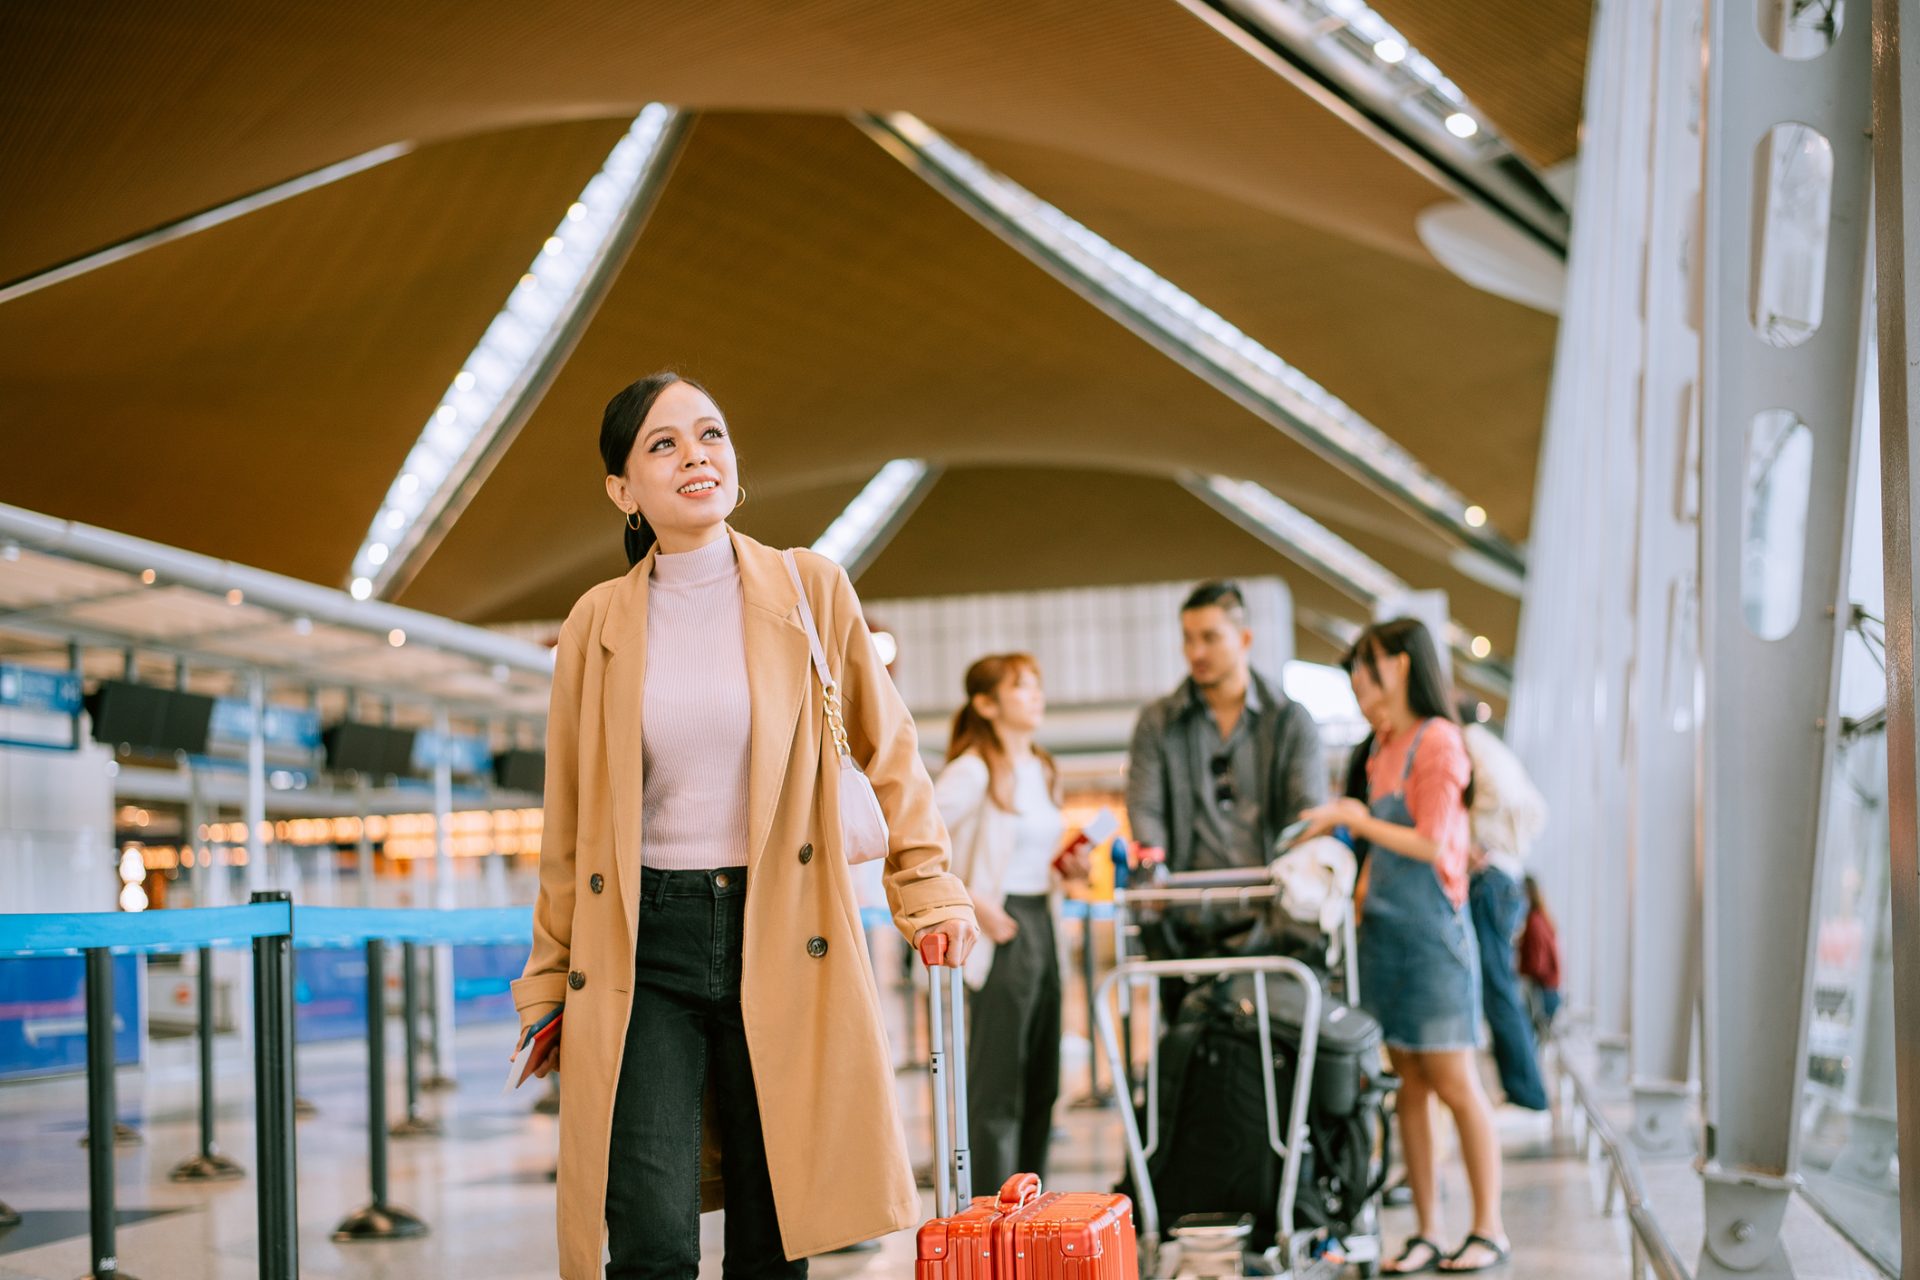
pixel 1419 963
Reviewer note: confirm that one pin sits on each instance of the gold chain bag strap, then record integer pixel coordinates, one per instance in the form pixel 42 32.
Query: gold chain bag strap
pixel 863 826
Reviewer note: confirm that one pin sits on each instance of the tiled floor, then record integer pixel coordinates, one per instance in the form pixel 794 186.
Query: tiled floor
pixel 483 1186
pixel 484 1190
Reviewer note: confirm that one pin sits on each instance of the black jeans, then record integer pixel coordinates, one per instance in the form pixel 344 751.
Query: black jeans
pixel 686 1029
pixel 1013 1052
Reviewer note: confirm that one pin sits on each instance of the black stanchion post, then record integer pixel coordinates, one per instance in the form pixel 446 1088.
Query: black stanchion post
pixel 273 1100
pixel 439 1081
pixel 379 1220
pixel 100 1112
pixel 210 1165
pixel 415 1125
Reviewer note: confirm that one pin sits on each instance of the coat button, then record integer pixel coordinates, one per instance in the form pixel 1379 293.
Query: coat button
pixel 806 854
pixel 576 979
pixel 596 882
pixel 816 947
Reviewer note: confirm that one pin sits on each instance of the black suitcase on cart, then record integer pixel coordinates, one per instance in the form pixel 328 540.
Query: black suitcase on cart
pixel 1213 1155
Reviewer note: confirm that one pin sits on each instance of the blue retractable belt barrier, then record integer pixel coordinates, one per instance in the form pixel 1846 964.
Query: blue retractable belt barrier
pixel 266 924
pixel 75 932
pixel 341 926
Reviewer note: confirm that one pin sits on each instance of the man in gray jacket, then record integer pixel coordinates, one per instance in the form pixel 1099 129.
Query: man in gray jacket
pixel 1219 768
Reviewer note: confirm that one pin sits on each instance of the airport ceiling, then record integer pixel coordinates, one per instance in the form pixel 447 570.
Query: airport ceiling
pixel 249 391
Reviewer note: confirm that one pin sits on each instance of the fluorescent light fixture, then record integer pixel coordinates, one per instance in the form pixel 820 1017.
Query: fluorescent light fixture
pixel 1347 36
pixel 183 227
pixel 1189 332
pixel 876 513
pixel 494 391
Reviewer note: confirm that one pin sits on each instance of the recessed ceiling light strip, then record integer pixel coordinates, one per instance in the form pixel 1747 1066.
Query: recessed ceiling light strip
pixel 1352 59
pixel 1192 334
pixel 500 384
pixel 180 228
pixel 876 513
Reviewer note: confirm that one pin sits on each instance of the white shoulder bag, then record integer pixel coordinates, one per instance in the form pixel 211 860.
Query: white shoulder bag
pixel 863 826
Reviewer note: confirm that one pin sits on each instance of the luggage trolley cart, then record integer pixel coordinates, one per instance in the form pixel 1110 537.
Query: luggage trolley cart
pixel 1237 887
pixel 1337 963
pixel 1215 1248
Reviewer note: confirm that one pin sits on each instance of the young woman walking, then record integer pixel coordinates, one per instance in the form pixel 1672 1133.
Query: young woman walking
pixel 1000 796
pixel 721 1036
pixel 1419 965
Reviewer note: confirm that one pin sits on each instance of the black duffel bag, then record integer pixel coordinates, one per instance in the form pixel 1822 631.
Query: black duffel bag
pixel 1347 1063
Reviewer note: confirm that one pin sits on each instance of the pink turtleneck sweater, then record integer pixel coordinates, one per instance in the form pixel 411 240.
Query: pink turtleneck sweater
pixel 697 720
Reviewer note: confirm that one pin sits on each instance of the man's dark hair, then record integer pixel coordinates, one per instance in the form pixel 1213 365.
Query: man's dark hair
pixel 1218 594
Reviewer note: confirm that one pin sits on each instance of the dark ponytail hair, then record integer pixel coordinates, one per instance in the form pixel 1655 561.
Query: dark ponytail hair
pixel 620 428
pixel 1427 693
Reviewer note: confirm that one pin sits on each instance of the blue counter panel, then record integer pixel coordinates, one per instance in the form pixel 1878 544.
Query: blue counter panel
pixel 43 1014
pixel 330 987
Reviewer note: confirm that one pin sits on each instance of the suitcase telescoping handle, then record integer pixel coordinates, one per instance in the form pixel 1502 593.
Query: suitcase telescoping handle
pixel 952 1176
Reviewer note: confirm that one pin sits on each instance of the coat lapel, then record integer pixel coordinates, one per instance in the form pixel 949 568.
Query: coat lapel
pixel 623 635
pixel 779 671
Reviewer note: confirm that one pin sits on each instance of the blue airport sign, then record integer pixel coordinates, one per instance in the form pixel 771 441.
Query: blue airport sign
pixel 37 689
pixel 290 727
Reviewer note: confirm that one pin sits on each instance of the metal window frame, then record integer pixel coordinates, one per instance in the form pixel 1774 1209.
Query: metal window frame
pixel 1896 123
pixel 1766 760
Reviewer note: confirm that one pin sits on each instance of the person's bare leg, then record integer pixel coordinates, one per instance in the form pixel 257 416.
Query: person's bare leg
pixel 1456 1082
pixel 1414 1110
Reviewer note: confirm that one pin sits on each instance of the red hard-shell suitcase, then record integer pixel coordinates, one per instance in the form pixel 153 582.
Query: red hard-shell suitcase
pixel 1023 1233
pixel 1060 1235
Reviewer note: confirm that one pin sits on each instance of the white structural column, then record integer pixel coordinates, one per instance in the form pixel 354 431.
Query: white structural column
pixel 1663 790
pixel 258 877
pixel 1622 97
pixel 443 897
pixel 1896 127
pixel 1577 635
pixel 1784 253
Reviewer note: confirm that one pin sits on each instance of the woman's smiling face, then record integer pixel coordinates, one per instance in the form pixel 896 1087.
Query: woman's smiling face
pixel 682 474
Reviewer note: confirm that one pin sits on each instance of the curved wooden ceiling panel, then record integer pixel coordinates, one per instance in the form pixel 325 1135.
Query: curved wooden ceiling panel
pixel 845 314
pixel 1428 359
pixel 250 391
pixel 1522 62
pixel 122 115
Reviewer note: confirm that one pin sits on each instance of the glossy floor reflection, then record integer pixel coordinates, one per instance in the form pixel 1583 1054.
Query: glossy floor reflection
pixel 483 1185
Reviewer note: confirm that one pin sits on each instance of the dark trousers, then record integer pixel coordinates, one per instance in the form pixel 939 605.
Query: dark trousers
pixel 1498 905
pixel 685 1032
pixel 1013 1052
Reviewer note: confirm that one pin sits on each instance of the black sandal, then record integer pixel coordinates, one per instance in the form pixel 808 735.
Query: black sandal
pixel 1396 1267
pixel 1501 1254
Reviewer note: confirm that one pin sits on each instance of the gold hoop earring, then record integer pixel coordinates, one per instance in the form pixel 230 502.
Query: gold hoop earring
pixel 634 521
pixel 740 501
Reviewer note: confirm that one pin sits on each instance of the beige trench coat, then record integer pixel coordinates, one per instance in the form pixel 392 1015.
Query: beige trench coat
pixel 835 1146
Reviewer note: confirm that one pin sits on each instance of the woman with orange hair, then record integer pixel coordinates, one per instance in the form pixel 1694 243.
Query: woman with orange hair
pixel 1000 796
